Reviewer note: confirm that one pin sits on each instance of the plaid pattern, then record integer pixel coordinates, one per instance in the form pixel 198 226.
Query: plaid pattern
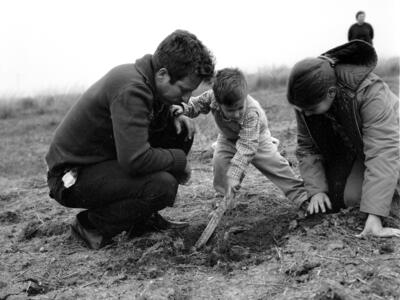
pixel 248 135
pixel 202 104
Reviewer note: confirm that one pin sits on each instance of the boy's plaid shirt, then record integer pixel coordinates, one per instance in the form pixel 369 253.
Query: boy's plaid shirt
pixel 245 132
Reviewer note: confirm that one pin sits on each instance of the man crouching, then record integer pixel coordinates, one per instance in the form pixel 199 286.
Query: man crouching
pixel 117 153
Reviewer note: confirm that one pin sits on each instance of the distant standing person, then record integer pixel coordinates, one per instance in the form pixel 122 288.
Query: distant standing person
pixel 361 30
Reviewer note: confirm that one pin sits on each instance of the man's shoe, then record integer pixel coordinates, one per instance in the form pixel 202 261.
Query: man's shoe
pixel 155 223
pixel 92 238
pixel 160 223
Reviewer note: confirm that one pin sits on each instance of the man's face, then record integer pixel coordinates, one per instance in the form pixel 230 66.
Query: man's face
pixel 361 18
pixel 321 107
pixel 178 92
pixel 235 111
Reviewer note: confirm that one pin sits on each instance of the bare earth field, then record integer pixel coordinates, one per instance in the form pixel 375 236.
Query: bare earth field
pixel 262 249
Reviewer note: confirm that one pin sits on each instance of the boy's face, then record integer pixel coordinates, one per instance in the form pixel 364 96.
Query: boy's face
pixel 235 111
pixel 321 107
pixel 178 92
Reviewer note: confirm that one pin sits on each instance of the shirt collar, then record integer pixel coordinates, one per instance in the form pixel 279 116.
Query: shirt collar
pixel 145 67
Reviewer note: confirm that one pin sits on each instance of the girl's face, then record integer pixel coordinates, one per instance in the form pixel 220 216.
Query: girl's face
pixel 321 107
pixel 235 111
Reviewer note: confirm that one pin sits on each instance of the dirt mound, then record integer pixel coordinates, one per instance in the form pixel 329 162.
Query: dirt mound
pixel 262 234
pixel 235 240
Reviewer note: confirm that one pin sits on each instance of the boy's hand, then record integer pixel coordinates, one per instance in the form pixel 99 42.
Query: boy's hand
pixel 373 226
pixel 188 123
pixel 232 188
pixel 318 203
pixel 176 110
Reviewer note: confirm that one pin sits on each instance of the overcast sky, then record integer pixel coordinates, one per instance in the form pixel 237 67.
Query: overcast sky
pixel 59 45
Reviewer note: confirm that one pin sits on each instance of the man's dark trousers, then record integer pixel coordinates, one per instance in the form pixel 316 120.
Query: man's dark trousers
pixel 116 201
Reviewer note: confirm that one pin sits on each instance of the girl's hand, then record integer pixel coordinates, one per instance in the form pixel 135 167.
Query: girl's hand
pixel 318 203
pixel 373 226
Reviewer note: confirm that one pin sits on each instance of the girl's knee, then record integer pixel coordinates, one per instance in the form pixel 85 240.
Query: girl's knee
pixel 351 197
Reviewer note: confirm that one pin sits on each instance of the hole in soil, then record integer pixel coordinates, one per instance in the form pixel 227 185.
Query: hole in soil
pixel 257 235
pixel 9 217
pixel 235 239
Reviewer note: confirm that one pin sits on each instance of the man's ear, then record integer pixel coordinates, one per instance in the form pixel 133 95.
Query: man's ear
pixel 332 92
pixel 162 75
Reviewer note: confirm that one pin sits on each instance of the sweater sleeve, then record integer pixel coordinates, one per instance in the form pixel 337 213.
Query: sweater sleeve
pixel 198 105
pixel 371 32
pixel 131 115
pixel 380 128
pixel 246 146
pixel 349 34
pixel 310 160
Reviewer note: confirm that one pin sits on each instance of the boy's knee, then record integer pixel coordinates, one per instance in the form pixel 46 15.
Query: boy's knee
pixel 219 185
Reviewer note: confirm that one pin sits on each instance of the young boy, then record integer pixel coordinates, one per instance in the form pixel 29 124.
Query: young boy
pixel 244 136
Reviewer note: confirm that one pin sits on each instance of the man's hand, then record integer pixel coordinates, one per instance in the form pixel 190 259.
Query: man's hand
pixel 318 203
pixel 373 226
pixel 184 177
pixel 188 123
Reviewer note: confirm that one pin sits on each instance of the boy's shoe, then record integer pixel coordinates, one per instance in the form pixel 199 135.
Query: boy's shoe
pixel 91 237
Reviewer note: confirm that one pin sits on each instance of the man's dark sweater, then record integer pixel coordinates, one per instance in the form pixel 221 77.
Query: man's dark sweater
pixel 363 32
pixel 114 120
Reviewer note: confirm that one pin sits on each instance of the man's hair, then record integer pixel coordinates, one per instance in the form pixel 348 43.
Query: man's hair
pixel 182 54
pixel 359 13
pixel 229 86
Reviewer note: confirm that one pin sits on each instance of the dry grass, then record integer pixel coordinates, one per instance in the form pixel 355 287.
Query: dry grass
pixel 274 78
pixel 277 77
pixel 268 78
pixel 389 67
pixel 41 104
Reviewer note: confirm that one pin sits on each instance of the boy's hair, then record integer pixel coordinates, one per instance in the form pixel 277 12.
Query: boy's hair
pixel 182 54
pixel 359 13
pixel 229 86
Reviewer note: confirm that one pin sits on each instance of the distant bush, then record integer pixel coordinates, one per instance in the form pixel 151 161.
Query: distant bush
pixel 7 110
pixel 272 78
pixel 268 78
pixel 389 67
pixel 277 77
pixel 28 103
pixel 13 107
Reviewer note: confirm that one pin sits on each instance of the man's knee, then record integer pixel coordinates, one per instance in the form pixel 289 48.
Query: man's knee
pixel 162 188
pixel 184 142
